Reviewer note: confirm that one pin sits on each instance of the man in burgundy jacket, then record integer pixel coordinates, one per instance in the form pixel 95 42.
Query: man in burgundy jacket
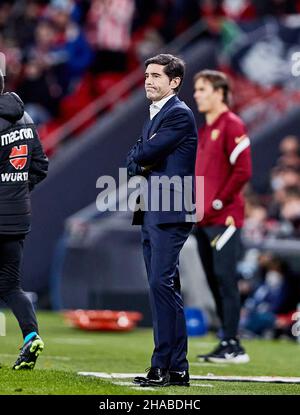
pixel 224 160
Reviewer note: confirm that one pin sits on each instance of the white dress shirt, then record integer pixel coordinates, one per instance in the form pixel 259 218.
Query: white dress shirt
pixel 155 107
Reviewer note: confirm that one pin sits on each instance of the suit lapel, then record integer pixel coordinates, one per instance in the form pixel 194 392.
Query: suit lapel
pixel 146 129
pixel 157 119
pixel 151 125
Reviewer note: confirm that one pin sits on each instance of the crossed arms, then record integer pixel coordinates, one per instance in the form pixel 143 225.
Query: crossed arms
pixel 146 153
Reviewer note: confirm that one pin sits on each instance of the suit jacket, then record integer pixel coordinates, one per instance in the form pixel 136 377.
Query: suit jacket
pixel 167 152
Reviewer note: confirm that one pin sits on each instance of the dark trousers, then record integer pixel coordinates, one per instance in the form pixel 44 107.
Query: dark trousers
pixel 161 247
pixel 220 270
pixel 11 253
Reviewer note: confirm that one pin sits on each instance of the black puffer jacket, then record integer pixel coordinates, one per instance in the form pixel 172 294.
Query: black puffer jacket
pixel 22 164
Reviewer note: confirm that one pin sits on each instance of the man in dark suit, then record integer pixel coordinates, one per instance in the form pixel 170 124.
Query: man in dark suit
pixel 165 154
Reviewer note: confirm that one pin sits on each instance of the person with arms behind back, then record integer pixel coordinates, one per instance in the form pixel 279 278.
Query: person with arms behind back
pixel 224 160
pixel 23 164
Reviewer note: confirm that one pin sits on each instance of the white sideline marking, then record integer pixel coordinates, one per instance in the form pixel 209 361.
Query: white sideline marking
pixel 265 379
pixel 132 386
pixel 120 383
pixel 147 388
pixel 261 379
pixel 96 374
pixel 125 375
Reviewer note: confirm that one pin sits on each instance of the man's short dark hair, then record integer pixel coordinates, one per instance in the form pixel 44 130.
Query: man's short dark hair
pixel 173 67
pixel 218 80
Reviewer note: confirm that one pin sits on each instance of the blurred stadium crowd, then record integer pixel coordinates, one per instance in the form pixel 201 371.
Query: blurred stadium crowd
pixel 62 55
pixel 269 285
pixel 277 214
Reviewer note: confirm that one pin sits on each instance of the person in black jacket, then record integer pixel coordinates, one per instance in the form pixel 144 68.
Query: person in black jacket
pixel 23 164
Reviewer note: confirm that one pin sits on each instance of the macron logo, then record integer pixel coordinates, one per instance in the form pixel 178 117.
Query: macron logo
pixel 21 134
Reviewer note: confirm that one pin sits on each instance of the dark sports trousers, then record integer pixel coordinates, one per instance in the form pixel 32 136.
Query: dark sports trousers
pixel 220 270
pixel 11 254
pixel 161 248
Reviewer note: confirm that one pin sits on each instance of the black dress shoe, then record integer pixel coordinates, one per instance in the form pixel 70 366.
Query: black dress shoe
pixel 179 378
pixel 159 377
pixel 154 373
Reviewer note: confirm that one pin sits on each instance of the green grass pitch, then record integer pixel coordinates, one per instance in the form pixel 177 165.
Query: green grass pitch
pixel 68 351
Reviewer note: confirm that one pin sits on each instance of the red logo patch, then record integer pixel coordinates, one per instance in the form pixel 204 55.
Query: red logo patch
pixel 18 156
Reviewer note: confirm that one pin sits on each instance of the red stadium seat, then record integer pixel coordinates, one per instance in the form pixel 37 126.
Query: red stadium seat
pixel 82 96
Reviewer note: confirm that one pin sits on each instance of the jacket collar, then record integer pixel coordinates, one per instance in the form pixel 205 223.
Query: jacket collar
pixel 155 107
pixel 152 124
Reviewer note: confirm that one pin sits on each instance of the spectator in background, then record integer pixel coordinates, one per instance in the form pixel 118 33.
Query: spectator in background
pixel 22 21
pixel 255 221
pixel 146 38
pixel 290 210
pixel 41 86
pixel 275 289
pixel 144 11
pixel 109 27
pixel 210 8
pixel 233 9
pixel 274 295
pixel 179 15
pixel 46 39
pixel 290 177
pixel 290 144
pixel 5 13
pixel 148 44
pixel 289 152
pixel 276 7
pixel 72 47
pixel 238 10
pixel 80 10
pixel 281 179
pixel 13 58
pixel 40 91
